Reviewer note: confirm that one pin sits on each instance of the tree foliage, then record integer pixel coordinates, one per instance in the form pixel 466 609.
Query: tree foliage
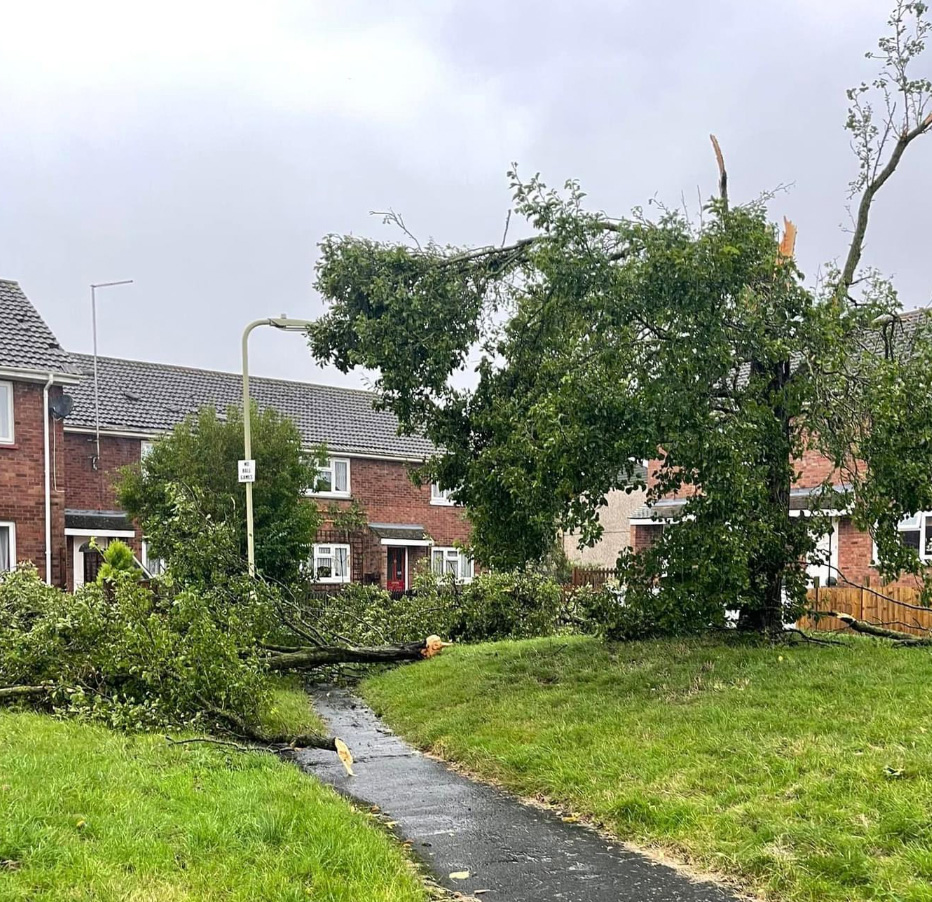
pixel 198 460
pixel 605 341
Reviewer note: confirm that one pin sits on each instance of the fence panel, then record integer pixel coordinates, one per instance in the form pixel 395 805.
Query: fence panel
pixel 592 576
pixel 897 607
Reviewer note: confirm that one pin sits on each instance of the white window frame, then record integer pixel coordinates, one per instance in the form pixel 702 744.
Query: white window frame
pixel 11 526
pixel 465 568
pixel 925 535
pixel 11 438
pixel 327 550
pixel 330 468
pixel 145 449
pixel 146 559
pixel 441 497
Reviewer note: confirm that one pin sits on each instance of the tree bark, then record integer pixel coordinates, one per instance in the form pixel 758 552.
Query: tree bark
pixel 873 629
pixel 769 571
pixel 8 693
pixel 310 657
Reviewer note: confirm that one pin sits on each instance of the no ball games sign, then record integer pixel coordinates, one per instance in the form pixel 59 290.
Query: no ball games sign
pixel 247 471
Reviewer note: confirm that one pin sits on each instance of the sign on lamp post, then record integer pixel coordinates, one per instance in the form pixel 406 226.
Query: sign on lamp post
pixel 247 471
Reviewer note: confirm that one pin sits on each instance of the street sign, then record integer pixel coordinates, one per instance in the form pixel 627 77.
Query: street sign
pixel 247 471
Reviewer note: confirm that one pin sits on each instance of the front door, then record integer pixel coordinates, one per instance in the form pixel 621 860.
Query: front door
pixel 395 579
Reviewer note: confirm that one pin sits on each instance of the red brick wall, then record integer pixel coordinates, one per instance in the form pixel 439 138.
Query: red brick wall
pixel 90 489
pixel 22 480
pixel 386 494
pixel 643 536
pixel 382 488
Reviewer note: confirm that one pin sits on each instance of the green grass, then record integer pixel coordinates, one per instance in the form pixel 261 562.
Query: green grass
pixel 90 814
pixel 802 773
pixel 291 712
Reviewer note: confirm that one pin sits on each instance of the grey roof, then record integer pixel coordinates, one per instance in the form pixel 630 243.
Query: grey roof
pixel 104 520
pixel 151 398
pixel 26 342
pixel 402 531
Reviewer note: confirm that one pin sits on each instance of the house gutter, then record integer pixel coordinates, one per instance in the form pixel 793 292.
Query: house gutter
pixel 48 481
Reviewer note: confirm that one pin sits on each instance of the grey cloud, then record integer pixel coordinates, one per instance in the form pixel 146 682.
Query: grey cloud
pixel 211 187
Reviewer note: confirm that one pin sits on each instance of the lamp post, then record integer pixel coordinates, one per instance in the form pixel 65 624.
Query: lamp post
pixel 94 288
pixel 286 325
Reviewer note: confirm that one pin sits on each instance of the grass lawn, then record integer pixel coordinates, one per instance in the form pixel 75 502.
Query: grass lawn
pixel 801 773
pixel 90 814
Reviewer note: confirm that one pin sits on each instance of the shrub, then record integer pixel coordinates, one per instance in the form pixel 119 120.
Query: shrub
pixel 118 559
pixel 640 613
pixel 130 657
pixel 511 605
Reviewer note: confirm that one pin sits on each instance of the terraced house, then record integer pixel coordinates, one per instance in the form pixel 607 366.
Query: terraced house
pixel 846 554
pixel 57 474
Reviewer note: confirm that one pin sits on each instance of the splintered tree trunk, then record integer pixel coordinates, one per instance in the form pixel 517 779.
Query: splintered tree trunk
pixel 769 570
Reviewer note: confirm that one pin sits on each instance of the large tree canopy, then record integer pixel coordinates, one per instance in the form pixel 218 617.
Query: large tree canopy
pixel 608 340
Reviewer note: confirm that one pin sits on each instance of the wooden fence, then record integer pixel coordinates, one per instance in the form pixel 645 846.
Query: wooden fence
pixel 592 576
pixel 877 606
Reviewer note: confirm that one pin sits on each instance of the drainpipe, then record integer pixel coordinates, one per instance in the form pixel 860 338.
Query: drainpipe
pixel 48 483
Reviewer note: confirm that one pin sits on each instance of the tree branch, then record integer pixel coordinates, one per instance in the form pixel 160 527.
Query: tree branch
pixel 871 629
pixel 309 658
pixel 860 229
pixel 8 693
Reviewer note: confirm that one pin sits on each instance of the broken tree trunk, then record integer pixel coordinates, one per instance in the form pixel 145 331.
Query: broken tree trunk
pixel 873 629
pixel 309 657
pixel 8 693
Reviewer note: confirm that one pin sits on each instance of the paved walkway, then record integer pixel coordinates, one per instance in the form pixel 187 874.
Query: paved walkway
pixel 514 852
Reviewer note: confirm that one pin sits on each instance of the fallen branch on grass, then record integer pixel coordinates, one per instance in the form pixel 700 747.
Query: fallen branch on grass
pixel 9 693
pixel 873 629
pixel 309 657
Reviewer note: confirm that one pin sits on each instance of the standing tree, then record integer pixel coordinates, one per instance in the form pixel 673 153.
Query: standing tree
pixel 200 454
pixel 605 339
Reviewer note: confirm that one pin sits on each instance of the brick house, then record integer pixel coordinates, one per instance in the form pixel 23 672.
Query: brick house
pixel 847 552
pixel 369 465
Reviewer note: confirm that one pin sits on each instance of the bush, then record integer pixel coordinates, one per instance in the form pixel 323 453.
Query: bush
pixel 124 655
pixel 511 605
pixel 640 613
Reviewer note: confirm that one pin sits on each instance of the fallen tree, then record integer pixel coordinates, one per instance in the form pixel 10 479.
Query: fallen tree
pixel 310 657
pixel 197 656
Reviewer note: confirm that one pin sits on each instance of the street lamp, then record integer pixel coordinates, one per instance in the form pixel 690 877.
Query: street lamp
pixel 94 288
pixel 286 325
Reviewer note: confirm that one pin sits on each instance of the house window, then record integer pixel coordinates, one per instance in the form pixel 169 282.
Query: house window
pixel 153 565
pixel 333 478
pixel 145 449
pixel 440 496
pixel 911 532
pixel 7 547
pixel 331 564
pixel 444 561
pixel 6 413
pixel 915 532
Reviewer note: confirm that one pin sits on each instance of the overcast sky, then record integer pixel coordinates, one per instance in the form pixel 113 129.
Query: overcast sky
pixel 203 149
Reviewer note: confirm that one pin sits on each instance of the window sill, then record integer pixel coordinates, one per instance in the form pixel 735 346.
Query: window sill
pixel 330 582
pixel 8 446
pixel 437 503
pixel 338 496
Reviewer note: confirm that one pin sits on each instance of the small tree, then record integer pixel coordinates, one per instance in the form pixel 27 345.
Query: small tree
pixel 609 340
pixel 199 457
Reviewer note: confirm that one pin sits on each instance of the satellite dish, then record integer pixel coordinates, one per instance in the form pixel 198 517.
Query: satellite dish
pixel 62 406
